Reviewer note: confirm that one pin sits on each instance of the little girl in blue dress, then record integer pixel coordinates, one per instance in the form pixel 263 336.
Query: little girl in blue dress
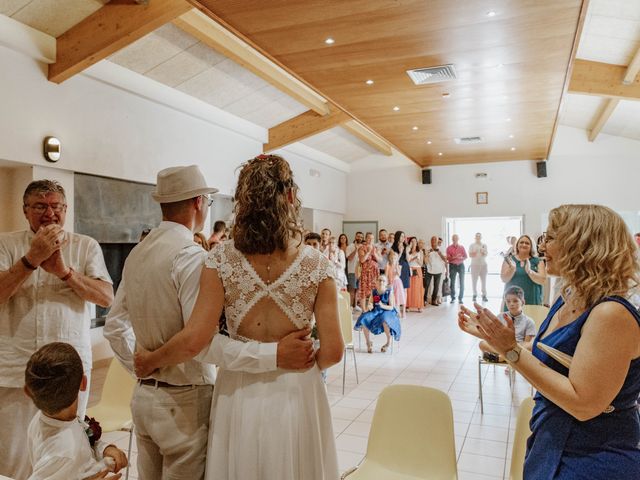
pixel 382 317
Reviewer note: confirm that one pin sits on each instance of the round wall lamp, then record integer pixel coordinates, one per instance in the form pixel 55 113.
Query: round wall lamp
pixel 51 149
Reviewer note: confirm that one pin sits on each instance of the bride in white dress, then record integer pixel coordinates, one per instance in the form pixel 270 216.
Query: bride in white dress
pixel 273 425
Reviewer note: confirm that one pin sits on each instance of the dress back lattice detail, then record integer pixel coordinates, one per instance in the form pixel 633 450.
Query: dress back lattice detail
pixel 294 291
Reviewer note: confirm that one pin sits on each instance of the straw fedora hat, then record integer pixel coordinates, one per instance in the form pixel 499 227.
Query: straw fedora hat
pixel 180 183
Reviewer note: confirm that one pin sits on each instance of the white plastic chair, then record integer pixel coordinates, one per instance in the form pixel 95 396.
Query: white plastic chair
pixel 520 439
pixel 113 411
pixel 346 324
pixel 411 437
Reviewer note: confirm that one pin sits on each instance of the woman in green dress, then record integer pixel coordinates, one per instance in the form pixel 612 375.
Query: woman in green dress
pixel 524 269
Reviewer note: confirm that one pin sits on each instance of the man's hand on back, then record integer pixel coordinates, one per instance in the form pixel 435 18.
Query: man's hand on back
pixel 295 351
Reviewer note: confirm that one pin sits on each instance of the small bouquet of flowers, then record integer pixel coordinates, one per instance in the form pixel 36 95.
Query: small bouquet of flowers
pixel 376 299
pixel 92 429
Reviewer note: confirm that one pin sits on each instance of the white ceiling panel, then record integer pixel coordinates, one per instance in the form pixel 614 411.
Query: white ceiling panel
pixel 611 32
pixel 10 7
pixel 580 110
pixel 339 143
pixel 185 65
pixel 625 120
pixel 53 17
pixel 270 114
pixel 154 49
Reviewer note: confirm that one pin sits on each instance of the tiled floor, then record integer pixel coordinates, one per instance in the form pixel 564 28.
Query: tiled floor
pixel 433 352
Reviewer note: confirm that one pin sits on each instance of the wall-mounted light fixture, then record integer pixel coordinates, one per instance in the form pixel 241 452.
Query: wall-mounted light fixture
pixel 51 149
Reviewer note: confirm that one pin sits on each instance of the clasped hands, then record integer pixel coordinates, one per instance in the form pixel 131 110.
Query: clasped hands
pixel 483 324
pixel 295 352
pixel 45 250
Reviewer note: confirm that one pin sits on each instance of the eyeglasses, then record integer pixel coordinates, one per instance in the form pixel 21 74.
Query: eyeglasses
pixel 209 200
pixel 40 208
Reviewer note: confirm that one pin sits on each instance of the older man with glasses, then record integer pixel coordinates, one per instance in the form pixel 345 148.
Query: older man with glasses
pixel 47 279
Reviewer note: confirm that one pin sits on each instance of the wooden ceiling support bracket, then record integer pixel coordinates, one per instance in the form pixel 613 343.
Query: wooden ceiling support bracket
pixel 304 125
pixel 602 117
pixel 111 28
pixel 632 69
pixel 367 136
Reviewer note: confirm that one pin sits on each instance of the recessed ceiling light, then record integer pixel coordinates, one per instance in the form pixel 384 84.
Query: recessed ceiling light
pixel 414 128
pixel 369 82
pixel 507 119
pixel 428 142
pixel 439 154
pixel 329 41
pixel 513 149
pixel 491 13
pixel 511 136
pixel 396 108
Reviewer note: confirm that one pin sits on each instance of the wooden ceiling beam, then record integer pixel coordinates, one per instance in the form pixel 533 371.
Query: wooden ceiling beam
pixel 211 33
pixel 602 80
pixel 602 117
pixel 367 136
pixel 113 27
pixel 632 69
pixel 303 126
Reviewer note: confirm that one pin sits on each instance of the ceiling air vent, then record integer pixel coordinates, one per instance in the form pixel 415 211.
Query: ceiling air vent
pixel 423 76
pixel 468 140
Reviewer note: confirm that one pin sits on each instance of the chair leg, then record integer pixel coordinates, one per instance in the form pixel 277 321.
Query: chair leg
pixel 129 452
pixel 344 369
pixel 355 364
pixel 480 386
pixel 360 339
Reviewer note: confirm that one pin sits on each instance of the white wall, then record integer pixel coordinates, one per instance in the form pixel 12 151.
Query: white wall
pixel 111 132
pixel 604 172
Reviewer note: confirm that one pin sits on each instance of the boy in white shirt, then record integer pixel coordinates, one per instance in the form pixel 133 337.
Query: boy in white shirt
pixel 525 326
pixel 59 447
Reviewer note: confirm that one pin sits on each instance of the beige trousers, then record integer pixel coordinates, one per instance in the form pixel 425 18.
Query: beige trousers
pixel 172 430
pixel 479 271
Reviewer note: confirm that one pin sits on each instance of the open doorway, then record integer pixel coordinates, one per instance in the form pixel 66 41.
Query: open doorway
pixel 495 231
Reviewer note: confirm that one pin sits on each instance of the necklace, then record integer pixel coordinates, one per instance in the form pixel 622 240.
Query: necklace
pixel 269 270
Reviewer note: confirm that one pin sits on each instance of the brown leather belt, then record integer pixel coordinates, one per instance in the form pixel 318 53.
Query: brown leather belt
pixel 152 382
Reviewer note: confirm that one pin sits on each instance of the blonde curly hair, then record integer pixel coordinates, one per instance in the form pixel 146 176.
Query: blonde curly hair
pixel 265 218
pixel 598 255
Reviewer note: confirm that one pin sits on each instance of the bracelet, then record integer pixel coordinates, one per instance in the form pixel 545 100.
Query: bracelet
pixel 68 275
pixel 27 263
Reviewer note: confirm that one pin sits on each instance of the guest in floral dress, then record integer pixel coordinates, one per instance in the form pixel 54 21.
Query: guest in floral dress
pixel 368 258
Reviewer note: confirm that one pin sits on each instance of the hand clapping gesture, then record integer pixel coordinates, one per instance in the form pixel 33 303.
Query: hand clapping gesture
pixel 45 243
pixel 485 325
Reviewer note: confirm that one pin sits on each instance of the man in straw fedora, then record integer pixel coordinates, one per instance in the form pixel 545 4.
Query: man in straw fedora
pixel 159 287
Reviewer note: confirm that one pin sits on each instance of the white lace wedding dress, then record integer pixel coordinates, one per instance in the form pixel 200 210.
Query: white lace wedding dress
pixel 274 425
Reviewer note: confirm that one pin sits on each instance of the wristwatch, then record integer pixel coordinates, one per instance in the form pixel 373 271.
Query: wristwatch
pixel 513 355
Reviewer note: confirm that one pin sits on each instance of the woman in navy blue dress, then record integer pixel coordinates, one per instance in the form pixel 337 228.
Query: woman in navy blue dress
pixel 400 248
pixel 585 422
pixel 382 317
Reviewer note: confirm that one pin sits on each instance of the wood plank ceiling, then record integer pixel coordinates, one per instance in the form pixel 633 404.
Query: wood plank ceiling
pixel 511 59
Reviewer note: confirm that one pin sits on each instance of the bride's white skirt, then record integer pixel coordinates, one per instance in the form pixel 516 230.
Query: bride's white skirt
pixel 271 426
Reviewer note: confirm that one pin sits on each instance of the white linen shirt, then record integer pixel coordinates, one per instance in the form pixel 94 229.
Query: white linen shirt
pixel 480 257
pixel 45 309
pixel 252 357
pixel 60 450
pixel 435 264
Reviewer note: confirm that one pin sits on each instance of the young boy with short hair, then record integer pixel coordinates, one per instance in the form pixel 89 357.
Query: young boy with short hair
pixel 58 443
pixel 524 326
pixel 313 239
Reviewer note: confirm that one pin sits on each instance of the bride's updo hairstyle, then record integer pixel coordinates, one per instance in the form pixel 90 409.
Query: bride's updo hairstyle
pixel 267 206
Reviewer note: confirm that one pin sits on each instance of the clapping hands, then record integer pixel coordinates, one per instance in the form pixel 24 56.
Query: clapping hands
pixel 482 323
